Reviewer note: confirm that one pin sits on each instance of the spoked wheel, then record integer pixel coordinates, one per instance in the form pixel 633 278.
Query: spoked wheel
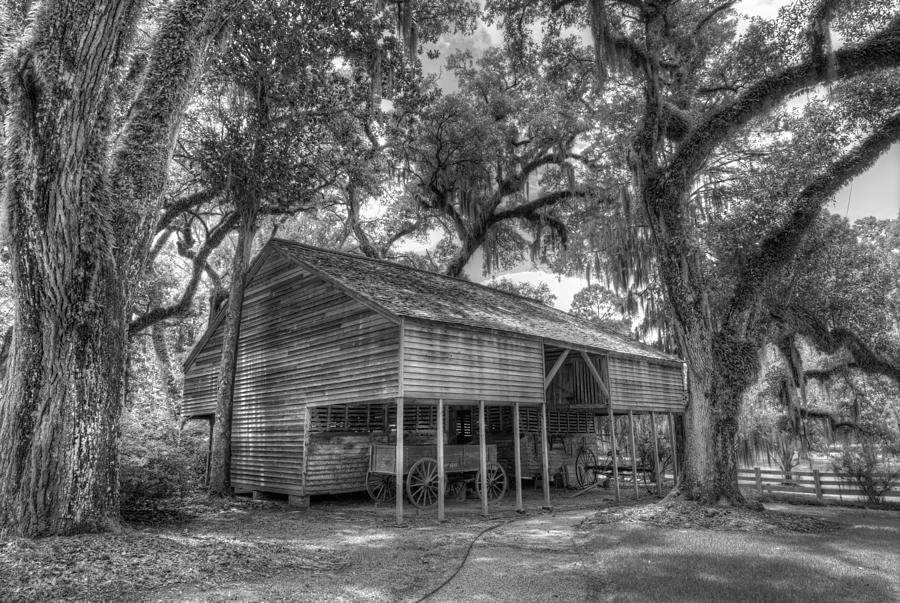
pixel 585 468
pixel 422 483
pixel 382 487
pixel 496 482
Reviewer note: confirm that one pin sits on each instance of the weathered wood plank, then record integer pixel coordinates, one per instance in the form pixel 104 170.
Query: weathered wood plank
pixel 302 341
pixel 442 362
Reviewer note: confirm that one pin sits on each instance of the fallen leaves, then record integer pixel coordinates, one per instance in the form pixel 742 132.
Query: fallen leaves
pixel 682 514
pixel 104 566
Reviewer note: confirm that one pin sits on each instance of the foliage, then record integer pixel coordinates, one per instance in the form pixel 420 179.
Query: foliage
pixel 601 306
pixel 158 458
pixel 866 464
pixel 705 113
pixel 540 292
pixel 490 163
pixel 158 461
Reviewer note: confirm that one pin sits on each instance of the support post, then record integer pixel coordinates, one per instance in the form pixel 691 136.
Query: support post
pixel 440 460
pixel 615 455
pixel 398 470
pixel 634 473
pixel 657 471
pixel 758 479
pixel 212 421
pixel 517 451
pixel 817 479
pixel 602 382
pixel 545 457
pixel 674 448
pixel 482 454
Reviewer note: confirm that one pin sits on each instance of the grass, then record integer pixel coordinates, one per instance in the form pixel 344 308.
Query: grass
pixel 859 562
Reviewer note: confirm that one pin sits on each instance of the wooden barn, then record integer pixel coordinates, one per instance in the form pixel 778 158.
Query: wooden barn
pixel 352 370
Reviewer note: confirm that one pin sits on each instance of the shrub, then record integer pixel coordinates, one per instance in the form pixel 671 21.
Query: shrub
pixel 863 463
pixel 157 460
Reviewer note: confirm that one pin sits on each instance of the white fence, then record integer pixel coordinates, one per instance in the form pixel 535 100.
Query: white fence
pixel 819 484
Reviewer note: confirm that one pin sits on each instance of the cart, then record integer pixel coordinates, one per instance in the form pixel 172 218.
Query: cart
pixel 462 468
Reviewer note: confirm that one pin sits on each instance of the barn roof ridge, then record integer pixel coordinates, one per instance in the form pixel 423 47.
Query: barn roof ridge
pixel 356 256
pixel 614 342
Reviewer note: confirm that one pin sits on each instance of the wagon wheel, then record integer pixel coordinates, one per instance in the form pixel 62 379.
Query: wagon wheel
pixel 422 483
pixel 382 487
pixel 496 482
pixel 585 468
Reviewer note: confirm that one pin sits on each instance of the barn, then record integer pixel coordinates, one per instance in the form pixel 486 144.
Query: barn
pixel 350 368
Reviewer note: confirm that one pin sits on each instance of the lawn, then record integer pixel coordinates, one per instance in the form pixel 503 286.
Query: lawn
pixel 860 561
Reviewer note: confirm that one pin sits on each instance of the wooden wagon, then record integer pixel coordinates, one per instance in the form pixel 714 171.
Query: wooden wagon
pixel 462 468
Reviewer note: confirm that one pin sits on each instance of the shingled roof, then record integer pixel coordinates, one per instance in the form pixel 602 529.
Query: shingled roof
pixel 404 291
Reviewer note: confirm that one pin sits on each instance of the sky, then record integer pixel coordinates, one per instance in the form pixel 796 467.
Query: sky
pixel 874 193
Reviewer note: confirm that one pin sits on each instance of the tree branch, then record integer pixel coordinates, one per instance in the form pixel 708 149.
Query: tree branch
pixel 527 210
pixel 407 229
pixel 807 323
pixel 215 238
pixel 879 52
pixel 144 147
pixel 183 204
pixel 712 13
pixel 159 244
pixel 778 247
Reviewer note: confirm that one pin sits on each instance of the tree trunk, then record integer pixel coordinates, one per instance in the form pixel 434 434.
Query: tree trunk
pixel 63 386
pixel 220 462
pixel 164 364
pixel 62 392
pixel 60 414
pixel 718 374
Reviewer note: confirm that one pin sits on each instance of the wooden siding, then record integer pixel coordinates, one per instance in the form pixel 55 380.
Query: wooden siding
pixel 460 364
pixel 645 386
pixel 338 462
pixel 303 341
pixel 200 379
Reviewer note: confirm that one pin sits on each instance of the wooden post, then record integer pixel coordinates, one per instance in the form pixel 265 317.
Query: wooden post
pixel 545 449
pixel 758 479
pixel 212 421
pixel 398 470
pixel 674 448
pixel 604 368
pixel 517 451
pixel 482 454
pixel 817 479
pixel 634 474
pixel 656 453
pixel 440 459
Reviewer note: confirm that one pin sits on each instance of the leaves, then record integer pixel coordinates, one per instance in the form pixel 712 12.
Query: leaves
pixel 92 567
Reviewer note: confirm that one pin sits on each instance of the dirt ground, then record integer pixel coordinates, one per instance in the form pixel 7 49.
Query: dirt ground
pixel 567 555
pixel 585 549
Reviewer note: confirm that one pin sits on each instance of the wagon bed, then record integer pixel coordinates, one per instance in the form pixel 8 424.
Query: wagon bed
pixel 462 467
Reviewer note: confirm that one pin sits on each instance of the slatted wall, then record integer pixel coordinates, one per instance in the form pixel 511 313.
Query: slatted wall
pixel 200 379
pixel 303 341
pixel 645 386
pixel 574 383
pixel 340 436
pixel 460 364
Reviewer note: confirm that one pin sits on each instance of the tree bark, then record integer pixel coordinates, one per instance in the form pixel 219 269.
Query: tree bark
pixel 62 395
pixel 220 461
pixel 718 373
